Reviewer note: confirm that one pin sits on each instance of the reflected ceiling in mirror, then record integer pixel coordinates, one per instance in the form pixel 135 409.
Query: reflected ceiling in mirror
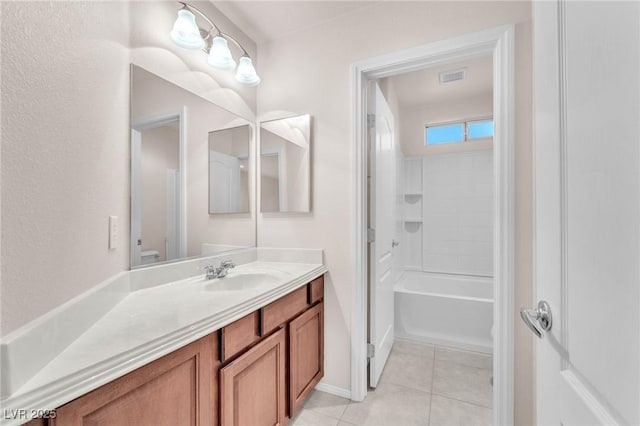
pixel 285 165
pixel 171 129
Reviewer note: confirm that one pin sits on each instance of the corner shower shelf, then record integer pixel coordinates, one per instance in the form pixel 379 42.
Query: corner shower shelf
pixel 412 220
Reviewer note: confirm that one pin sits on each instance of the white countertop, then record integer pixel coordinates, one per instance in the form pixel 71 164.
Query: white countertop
pixel 147 324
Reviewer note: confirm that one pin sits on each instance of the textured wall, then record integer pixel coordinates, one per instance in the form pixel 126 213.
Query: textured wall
pixel 309 72
pixel 65 150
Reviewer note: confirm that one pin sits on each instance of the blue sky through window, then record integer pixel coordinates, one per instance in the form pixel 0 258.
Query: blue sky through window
pixel 455 132
pixel 480 129
pixel 449 133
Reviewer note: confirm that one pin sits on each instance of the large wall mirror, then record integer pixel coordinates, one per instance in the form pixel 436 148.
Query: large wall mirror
pixel 174 190
pixel 285 165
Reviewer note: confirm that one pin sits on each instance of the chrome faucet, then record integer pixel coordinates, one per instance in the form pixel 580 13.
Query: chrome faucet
pixel 224 267
pixel 219 272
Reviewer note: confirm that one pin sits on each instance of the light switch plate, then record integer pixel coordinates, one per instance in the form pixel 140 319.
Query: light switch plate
pixel 113 232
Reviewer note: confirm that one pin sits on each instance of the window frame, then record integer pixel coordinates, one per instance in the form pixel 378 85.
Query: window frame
pixel 466 122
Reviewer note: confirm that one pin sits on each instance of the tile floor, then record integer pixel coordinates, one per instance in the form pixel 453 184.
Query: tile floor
pixel 421 385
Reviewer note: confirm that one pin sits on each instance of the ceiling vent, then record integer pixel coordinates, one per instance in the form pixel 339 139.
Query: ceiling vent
pixel 453 75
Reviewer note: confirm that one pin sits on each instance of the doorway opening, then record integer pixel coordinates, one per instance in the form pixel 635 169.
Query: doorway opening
pixel 157 189
pixel 480 260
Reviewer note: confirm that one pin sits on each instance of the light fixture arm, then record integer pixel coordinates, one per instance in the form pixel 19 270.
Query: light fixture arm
pixel 201 13
pixel 214 26
pixel 236 42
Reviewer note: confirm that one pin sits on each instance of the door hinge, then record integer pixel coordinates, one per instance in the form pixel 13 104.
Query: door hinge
pixel 371 235
pixel 371 121
pixel 371 350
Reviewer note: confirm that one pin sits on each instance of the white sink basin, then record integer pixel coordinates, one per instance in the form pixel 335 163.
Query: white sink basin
pixel 240 282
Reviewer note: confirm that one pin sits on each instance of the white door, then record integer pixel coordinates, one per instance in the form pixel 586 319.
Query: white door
pixel 224 185
pixel 587 167
pixel 382 212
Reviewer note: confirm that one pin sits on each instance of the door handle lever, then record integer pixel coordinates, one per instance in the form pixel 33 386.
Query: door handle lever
pixel 538 319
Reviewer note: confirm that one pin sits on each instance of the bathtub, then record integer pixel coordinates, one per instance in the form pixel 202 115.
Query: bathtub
pixel 450 310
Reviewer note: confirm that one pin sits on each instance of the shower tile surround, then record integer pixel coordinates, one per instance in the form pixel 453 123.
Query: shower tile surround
pixel 129 310
pixel 451 224
pixel 444 395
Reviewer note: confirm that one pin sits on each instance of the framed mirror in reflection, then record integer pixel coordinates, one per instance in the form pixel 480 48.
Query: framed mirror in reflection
pixel 229 170
pixel 172 130
pixel 285 165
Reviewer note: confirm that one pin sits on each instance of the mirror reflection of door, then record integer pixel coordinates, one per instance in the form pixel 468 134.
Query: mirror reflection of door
pixel 156 191
pixel 229 170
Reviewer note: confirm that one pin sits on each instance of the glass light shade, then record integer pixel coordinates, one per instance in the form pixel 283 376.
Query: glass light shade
pixel 185 31
pixel 246 73
pixel 220 55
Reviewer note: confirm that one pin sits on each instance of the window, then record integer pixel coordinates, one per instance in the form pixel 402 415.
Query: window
pixel 459 132
pixel 449 133
pixel 479 129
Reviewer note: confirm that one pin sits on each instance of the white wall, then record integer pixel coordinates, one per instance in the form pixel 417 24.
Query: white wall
pixel 65 138
pixel 309 72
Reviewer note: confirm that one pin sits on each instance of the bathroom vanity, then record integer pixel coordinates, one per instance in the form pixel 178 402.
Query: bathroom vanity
pixel 177 349
pixel 255 371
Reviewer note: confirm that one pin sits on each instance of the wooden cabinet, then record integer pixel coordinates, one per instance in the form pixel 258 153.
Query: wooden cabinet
pixel 253 387
pixel 173 390
pixel 255 371
pixel 306 355
pixel 282 310
pixel 239 335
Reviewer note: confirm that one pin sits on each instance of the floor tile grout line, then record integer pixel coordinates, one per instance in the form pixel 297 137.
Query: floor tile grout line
pixel 349 402
pixel 461 400
pixel 433 372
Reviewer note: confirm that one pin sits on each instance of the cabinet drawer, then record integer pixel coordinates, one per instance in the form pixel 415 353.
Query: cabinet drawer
pixel 316 293
pixel 239 335
pixel 284 309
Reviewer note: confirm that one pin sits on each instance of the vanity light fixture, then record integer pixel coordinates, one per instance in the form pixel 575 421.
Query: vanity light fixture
pixel 214 42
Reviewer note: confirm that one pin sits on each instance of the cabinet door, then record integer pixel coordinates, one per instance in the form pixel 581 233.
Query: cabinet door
pixel 306 354
pixel 176 389
pixel 252 388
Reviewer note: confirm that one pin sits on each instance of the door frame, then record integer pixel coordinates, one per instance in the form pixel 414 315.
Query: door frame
pixel 499 42
pixel 146 123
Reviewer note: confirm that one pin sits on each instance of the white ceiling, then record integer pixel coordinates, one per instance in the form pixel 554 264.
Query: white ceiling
pixel 265 20
pixel 423 87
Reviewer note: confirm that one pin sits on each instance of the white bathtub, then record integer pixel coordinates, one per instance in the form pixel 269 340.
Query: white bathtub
pixel 450 310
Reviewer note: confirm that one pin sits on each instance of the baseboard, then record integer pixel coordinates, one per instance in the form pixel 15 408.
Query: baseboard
pixel 334 390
